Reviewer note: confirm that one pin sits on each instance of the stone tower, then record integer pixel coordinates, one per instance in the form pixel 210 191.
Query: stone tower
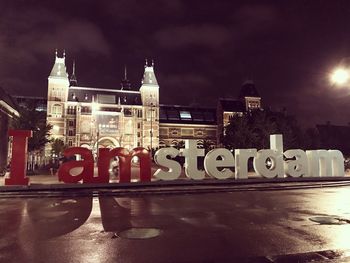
pixel 150 101
pixel 57 95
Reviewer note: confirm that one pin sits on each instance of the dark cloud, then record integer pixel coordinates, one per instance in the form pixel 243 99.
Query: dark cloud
pixel 210 36
pixel 136 11
pixel 30 34
pixel 185 88
pixel 203 49
pixel 76 35
pixel 251 19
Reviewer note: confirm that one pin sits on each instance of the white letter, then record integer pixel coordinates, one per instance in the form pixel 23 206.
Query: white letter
pixel 325 163
pixel 211 163
pixel 276 169
pixel 191 152
pixel 337 162
pixel 174 167
pixel 241 162
pixel 297 167
pixel 276 142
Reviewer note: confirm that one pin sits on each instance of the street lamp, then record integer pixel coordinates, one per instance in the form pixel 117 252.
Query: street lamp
pixel 56 128
pixel 340 76
pixel 94 108
pixel 151 131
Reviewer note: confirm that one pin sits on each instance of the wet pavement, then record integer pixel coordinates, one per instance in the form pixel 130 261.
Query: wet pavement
pixel 261 224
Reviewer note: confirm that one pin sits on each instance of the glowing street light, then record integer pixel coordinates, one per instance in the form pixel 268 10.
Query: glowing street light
pixel 95 106
pixel 56 128
pixel 340 76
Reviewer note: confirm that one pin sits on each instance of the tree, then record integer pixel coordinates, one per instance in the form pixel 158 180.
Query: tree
pixel 239 134
pixel 31 119
pixel 312 139
pixel 57 146
pixel 207 145
pixel 253 130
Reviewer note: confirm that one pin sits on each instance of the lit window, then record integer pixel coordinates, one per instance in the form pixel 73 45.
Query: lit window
pixel 185 115
pixel 56 109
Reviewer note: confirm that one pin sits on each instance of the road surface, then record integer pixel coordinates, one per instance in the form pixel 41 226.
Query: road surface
pixel 245 224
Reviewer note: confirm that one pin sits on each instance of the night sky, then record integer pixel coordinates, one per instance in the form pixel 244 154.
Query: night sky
pixel 202 50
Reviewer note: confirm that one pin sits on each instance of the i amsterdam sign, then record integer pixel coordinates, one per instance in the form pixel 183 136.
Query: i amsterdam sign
pixel 218 163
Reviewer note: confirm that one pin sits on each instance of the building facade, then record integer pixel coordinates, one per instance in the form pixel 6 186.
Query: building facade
pixel 97 117
pixel 178 123
pixel 8 113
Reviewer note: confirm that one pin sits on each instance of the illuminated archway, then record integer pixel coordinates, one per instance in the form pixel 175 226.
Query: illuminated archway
pixel 107 142
pixel 85 145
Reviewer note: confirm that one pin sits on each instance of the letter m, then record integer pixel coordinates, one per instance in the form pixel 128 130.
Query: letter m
pixel 323 163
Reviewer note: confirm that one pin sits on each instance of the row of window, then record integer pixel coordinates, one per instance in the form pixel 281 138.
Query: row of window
pixel 186 132
pixel 175 143
pixel 72 110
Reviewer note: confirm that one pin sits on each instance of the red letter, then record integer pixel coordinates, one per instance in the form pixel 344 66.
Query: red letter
pixel 19 158
pixel 87 163
pixel 105 156
pixel 145 163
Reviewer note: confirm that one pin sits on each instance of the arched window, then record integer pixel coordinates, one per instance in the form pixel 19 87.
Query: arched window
pixel 174 143
pixel 162 144
pixel 57 110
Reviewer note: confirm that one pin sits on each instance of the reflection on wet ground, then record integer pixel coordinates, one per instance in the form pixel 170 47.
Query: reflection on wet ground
pixel 205 227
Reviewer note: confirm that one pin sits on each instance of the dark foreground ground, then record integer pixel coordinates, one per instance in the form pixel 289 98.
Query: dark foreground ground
pixel 245 224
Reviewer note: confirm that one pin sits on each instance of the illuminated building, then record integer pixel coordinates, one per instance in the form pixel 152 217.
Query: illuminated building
pixel 97 117
pixel 178 123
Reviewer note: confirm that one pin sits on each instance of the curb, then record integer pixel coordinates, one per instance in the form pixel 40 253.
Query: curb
pixel 209 183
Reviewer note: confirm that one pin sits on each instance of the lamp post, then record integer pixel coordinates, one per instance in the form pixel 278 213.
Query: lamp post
pixel 151 131
pixel 94 108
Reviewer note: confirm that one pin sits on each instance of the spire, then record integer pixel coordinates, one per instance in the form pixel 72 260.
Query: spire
pixel 125 83
pixel 73 73
pixel 146 63
pixel 149 78
pixel 59 68
pixel 73 79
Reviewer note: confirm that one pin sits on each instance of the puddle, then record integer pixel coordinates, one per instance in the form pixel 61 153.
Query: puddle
pixel 69 201
pixel 328 220
pixel 140 233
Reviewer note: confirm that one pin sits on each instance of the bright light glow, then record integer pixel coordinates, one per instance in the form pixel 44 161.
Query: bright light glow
pixel 56 128
pixel 340 76
pixel 95 106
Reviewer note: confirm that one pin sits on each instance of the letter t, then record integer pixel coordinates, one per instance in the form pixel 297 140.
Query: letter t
pixel 191 152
